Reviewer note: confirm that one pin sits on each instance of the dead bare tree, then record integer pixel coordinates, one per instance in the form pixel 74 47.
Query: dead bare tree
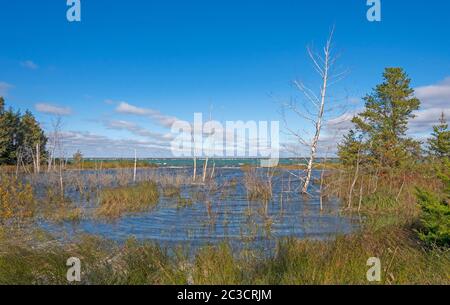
pixel 315 105
pixel 54 141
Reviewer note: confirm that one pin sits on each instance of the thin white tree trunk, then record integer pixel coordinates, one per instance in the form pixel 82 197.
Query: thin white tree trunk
pixel 355 179
pixel 213 170
pixel 205 168
pixel 194 177
pixel 61 185
pixel 315 141
pixel 135 166
pixel 38 159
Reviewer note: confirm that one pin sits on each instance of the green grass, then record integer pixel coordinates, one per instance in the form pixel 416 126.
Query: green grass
pixel 115 202
pixel 340 261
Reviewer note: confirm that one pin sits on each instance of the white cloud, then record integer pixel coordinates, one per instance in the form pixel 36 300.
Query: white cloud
pixel 156 116
pixel 434 96
pixel 136 130
pixel 4 88
pixel 52 109
pixel 94 145
pixel 29 65
pixel 435 99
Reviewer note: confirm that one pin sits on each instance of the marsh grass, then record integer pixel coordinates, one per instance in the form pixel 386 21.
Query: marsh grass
pixel 171 191
pixel 257 186
pixel 57 208
pixel 115 202
pixel 388 209
pixel 17 201
pixel 339 261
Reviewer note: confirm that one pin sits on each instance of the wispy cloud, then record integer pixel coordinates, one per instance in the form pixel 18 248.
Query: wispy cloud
pixel 53 109
pixel 156 116
pixel 136 130
pixel 94 145
pixel 4 88
pixel 435 96
pixel 29 65
pixel 435 99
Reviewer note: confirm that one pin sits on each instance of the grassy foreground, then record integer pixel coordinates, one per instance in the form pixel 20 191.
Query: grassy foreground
pixel 340 261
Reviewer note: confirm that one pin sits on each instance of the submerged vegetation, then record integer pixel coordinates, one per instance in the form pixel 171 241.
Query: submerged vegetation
pixel 133 199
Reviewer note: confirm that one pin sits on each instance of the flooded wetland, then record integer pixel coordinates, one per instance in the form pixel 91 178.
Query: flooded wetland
pixel 243 206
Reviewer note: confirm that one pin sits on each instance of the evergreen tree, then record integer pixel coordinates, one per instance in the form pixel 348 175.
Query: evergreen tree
pixel 9 136
pixel 19 136
pixel 439 143
pixel 435 218
pixel 3 136
pixel 385 118
pixel 31 135
pixel 2 105
pixel 349 148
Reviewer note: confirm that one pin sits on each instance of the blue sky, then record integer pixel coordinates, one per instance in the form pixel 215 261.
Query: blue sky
pixel 174 58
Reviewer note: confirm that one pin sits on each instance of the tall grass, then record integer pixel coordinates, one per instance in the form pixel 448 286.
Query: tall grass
pixel 259 186
pixel 17 202
pixel 115 202
pixel 339 261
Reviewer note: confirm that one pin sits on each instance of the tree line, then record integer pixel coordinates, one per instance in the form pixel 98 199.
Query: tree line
pixel 22 139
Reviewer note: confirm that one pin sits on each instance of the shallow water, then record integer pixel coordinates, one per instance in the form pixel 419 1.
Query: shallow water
pixel 216 218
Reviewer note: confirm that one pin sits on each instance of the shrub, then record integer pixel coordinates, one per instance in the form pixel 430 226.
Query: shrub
pixel 435 218
pixel 17 201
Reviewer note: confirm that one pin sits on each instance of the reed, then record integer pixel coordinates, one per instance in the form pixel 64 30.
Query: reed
pixel 17 201
pixel 258 187
pixel 115 202
pixel 338 261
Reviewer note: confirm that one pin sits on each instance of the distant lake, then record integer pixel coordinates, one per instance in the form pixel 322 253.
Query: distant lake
pixel 220 162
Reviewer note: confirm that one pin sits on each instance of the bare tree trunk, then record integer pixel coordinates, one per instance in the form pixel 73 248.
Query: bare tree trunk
pixel 135 165
pixel 194 177
pixel 322 174
pixel 18 162
pixel 314 110
pixel 213 170
pixel 61 185
pixel 205 168
pixel 401 188
pixel 360 193
pixel 355 179
pixel 323 94
pixel 38 159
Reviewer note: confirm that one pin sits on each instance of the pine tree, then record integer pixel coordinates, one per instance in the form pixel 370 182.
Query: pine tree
pixel 435 218
pixel 439 143
pixel 385 118
pixel 31 135
pixel 19 136
pixel 9 136
pixel 2 105
pixel 349 148
pixel 3 135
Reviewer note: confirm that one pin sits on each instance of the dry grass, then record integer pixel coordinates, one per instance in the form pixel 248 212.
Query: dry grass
pixel 115 202
pixel 17 202
pixel 258 187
